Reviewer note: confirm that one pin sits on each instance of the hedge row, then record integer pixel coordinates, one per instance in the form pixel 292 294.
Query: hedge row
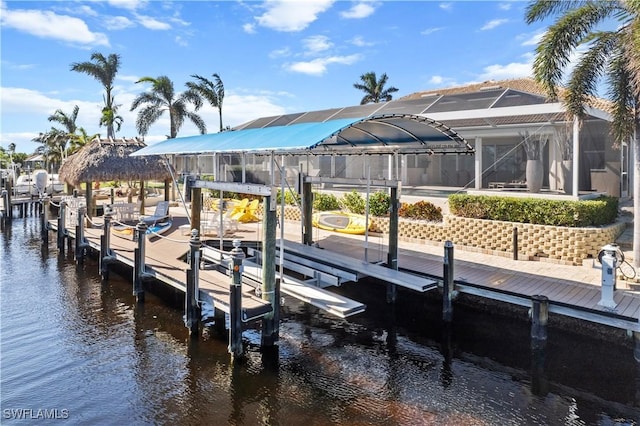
pixel 597 212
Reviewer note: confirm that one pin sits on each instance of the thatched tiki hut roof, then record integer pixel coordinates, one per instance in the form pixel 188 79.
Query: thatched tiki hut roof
pixel 108 159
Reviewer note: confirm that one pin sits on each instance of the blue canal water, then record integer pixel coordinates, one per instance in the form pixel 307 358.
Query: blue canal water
pixel 78 351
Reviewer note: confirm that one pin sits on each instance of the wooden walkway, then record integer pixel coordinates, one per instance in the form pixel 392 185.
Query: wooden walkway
pixel 566 297
pixel 164 260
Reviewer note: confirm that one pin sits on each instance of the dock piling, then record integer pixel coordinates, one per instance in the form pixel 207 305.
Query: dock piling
pixel 192 309
pixel 539 318
pixel 80 242
pixel 6 206
pixel 392 256
pixel 235 328
pixel 270 321
pixel 61 232
pixel 447 283
pixel 44 220
pixel 106 254
pixel 138 261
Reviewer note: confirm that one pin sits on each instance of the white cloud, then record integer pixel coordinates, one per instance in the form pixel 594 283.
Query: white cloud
pixel 436 79
pixel 47 24
pixel 429 31
pixel 318 66
pixel 115 23
pixel 180 41
pixel 249 28
pixel 533 40
pixel 502 72
pixel 86 10
pixel 446 6
pixel 152 24
pixel 493 24
pixel 317 43
pixel 360 42
pixel 504 6
pixel 20 67
pixel 360 10
pixel 291 16
pixel 239 107
pixel 129 78
pixel 280 53
pixel 128 4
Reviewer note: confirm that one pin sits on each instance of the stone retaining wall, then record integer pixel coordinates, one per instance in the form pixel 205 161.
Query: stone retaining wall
pixel 556 244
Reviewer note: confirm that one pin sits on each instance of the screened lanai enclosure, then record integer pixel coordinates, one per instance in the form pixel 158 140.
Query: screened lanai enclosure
pixel 504 125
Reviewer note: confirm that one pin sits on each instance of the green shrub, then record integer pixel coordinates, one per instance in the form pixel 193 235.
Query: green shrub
pixel 290 198
pixel 324 202
pixel 423 210
pixel 354 202
pixel 379 203
pixel 601 211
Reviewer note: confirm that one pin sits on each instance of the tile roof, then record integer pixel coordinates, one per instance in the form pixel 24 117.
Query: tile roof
pixel 527 85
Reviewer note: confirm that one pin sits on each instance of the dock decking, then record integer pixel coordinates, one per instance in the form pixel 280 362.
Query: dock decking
pixel 164 262
pixel 339 260
pixel 566 297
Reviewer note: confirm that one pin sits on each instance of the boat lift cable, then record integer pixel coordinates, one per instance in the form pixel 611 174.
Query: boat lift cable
pixel 175 183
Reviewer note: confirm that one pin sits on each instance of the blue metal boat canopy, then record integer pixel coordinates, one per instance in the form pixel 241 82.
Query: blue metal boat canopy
pixel 388 133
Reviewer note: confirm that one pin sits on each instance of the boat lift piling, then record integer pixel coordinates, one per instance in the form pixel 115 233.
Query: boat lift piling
pixel 191 306
pixel 139 268
pixel 106 254
pixel 235 302
pixel 81 244
pixel 270 322
pixel 61 232
pixel 448 286
pixel 6 208
pixel 44 220
pixel 392 256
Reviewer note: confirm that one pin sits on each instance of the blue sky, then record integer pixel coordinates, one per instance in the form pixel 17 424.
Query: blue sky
pixel 274 57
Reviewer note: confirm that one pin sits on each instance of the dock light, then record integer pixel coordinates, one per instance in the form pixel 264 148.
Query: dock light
pixel 610 257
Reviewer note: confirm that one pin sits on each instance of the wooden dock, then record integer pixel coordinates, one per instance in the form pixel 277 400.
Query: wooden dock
pixel 568 298
pixel 165 261
pixel 339 260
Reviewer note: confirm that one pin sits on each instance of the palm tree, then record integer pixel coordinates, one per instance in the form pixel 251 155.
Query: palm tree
pixel 162 98
pixel 110 117
pixel 81 139
pixel 104 70
pixel 57 139
pixel 53 146
pixel 374 89
pixel 211 91
pixel 612 54
pixel 12 150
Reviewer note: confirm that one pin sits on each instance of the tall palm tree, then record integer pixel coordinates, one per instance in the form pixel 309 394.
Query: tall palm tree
pixel 211 91
pixel 161 98
pixel 104 70
pixel 374 89
pixel 610 54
